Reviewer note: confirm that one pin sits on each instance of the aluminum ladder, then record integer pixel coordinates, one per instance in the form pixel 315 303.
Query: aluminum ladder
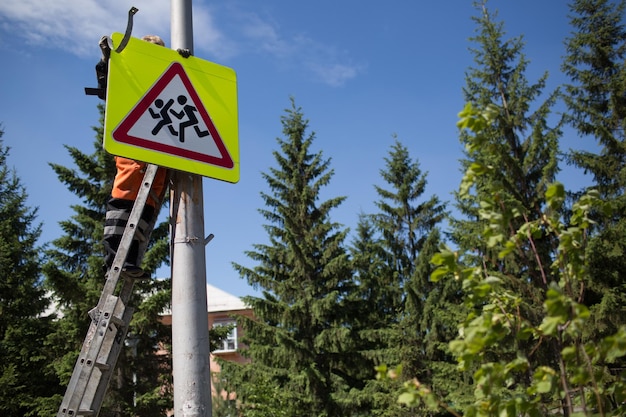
pixel 109 322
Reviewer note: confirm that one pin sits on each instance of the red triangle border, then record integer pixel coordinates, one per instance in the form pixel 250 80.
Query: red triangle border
pixel 121 134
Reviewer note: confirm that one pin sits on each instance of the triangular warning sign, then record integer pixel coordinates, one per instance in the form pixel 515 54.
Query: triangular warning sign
pixel 171 118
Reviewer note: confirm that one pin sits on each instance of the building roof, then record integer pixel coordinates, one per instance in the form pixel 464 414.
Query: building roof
pixel 219 300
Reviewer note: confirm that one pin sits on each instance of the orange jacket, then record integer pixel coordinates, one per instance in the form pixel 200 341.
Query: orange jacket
pixel 129 177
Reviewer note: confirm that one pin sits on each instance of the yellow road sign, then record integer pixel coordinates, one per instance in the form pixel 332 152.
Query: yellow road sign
pixel 171 111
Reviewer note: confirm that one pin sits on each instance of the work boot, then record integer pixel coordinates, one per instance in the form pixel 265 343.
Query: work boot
pixel 133 271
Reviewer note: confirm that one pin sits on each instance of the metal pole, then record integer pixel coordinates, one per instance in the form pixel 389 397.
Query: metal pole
pixel 190 327
pixel 182 25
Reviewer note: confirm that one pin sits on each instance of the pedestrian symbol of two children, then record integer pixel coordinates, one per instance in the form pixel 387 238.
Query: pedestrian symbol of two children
pixel 165 110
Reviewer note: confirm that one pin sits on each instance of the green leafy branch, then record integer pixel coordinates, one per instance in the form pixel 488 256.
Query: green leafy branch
pixel 498 341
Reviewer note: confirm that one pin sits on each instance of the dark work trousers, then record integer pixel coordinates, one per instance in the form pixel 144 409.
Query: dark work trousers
pixel 118 212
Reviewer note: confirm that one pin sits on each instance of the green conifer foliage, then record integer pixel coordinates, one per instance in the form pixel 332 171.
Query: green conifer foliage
pixel 596 97
pixel 510 169
pixel 404 221
pixel 25 374
pixel 596 101
pixel 390 254
pixel 300 341
pixel 520 147
pixel 578 377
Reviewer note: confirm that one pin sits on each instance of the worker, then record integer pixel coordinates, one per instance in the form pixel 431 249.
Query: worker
pixel 126 185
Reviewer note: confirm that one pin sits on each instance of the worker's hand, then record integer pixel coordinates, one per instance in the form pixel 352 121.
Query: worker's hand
pixel 185 53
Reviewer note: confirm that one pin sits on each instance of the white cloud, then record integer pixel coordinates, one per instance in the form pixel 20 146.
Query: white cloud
pixel 264 37
pixel 208 38
pixel 321 61
pixel 335 74
pixel 327 63
pixel 77 25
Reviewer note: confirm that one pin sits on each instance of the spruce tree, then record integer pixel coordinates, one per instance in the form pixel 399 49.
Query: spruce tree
pixel 577 375
pixel 522 149
pixel 25 374
pixel 407 223
pixel 75 274
pixel 372 306
pixel 300 341
pixel 596 97
pixel 523 262
pixel 403 221
pixel 596 102
pixel 391 259
pixel 514 164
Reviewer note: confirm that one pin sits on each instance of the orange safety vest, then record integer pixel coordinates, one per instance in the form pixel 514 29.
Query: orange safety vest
pixel 129 177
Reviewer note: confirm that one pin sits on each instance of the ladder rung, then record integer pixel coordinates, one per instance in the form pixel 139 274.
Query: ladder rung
pixel 71 413
pixel 115 316
pixel 94 313
pixel 103 366
pixel 117 321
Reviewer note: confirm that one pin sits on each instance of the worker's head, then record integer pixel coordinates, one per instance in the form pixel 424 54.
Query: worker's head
pixel 154 39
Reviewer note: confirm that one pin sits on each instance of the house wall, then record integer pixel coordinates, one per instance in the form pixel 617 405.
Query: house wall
pixel 217 317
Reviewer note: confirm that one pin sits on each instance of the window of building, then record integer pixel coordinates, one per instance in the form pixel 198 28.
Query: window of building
pixel 230 343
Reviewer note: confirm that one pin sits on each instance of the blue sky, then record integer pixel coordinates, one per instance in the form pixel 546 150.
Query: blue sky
pixel 362 72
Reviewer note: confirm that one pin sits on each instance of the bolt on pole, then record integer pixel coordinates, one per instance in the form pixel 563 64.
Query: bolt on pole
pixel 190 328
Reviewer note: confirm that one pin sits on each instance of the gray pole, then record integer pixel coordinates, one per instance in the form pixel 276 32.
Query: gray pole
pixel 190 327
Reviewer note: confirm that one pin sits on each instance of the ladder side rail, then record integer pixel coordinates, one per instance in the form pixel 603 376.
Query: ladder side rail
pixel 87 361
pixel 129 232
pixel 143 246
pixel 115 350
pixel 102 372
